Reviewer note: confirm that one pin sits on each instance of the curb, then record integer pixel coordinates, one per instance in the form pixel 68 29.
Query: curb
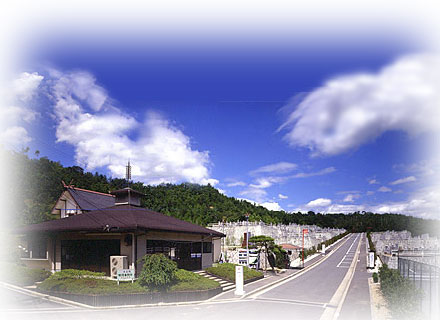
pixel 86 306
pixel 43 296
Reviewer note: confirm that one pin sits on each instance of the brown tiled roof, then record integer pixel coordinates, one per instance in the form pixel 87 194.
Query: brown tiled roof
pixel 119 218
pixel 91 200
pixel 289 246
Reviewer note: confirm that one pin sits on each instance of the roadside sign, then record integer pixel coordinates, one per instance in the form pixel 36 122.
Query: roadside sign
pixel 125 275
pixel 305 231
pixel 371 261
pixel 239 283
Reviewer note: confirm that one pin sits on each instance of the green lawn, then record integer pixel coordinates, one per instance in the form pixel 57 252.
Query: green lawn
pixel 227 271
pixel 86 282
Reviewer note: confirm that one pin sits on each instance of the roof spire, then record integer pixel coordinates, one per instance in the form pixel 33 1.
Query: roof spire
pixel 128 173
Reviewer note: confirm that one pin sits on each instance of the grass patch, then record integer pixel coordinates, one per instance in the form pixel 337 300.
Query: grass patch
pixel 90 286
pixel 87 282
pixel 21 275
pixel 227 271
pixel 190 281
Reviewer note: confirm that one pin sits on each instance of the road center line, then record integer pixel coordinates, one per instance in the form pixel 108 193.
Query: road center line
pixel 296 275
pixel 340 294
pixel 300 302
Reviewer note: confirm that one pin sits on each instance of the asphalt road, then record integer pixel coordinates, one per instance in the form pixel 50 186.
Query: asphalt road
pixel 305 296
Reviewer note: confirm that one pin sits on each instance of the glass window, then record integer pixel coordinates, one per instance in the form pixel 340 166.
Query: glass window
pixel 207 247
pixel 196 247
pixel 38 247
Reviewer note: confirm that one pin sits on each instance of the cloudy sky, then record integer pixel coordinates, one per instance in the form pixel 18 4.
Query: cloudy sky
pixel 331 109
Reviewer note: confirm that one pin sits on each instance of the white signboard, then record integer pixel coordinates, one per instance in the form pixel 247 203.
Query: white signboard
pixel 323 248
pixel 371 259
pixel 125 275
pixel 239 283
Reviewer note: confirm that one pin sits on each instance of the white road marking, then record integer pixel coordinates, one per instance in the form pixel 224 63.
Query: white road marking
pixel 341 293
pixel 296 275
pixel 298 302
pixel 348 254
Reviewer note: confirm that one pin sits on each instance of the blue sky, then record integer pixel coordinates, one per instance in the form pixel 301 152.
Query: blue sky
pixel 330 123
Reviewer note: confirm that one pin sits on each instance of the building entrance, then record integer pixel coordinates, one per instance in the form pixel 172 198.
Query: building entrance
pixel 93 255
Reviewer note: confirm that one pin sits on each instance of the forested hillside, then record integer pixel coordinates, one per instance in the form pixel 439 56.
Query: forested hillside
pixel 38 184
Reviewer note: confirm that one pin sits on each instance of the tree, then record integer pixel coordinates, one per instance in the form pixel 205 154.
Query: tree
pixel 265 242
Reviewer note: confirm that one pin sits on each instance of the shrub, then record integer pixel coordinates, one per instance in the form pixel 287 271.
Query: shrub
pixel 158 271
pixel 375 277
pixel 402 296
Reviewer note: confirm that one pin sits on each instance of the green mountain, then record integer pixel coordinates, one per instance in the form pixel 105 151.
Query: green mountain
pixel 38 184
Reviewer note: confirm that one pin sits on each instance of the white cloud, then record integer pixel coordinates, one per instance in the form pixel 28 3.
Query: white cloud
pixel 423 168
pixel 258 195
pixel 384 189
pixel 14 137
pixel 320 202
pixel 276 168
pixel 373 181
pixel 425 203
pixel 369 193
pixel 403 180
pixel 25 86
pixel 351 197
pixel 17 113
pixel 282 196
pixel 348 111
pixel 262 183
pixel 274 206
pixel 312 174
pixel 236 184
pixel 270 205
pixel 102 135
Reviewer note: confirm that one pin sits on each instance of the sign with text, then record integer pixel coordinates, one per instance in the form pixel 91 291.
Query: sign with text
pixel 239 283
pixel 371 261
pixel 125 275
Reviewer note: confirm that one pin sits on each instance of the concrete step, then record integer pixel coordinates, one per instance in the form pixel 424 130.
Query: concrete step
pixel 227 288
pixel 224 284
pixel 200 272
